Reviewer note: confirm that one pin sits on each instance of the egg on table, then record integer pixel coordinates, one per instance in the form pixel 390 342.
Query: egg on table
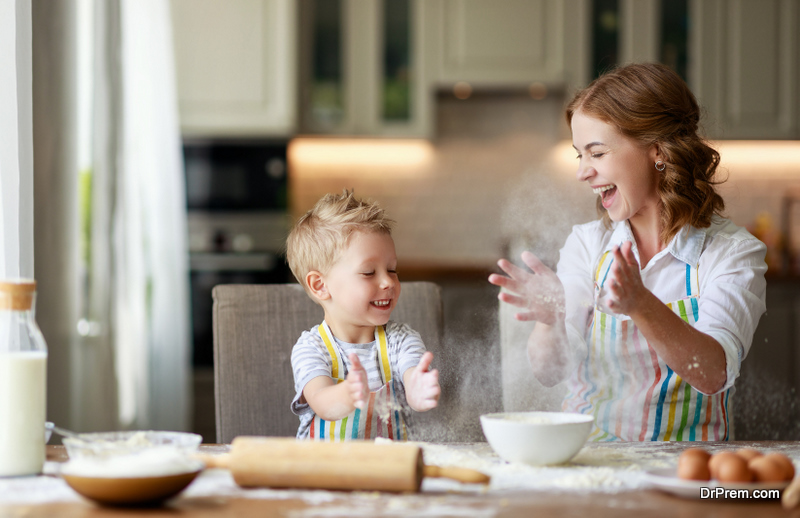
pixel 785 462
pixel 733 468
pixel 767 469
pixel 693 465
pixel 718 459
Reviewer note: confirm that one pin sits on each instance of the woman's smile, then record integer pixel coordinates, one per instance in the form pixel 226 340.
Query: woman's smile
pixel 607 193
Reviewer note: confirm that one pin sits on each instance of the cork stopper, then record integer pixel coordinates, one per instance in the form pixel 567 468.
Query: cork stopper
pixel 17 294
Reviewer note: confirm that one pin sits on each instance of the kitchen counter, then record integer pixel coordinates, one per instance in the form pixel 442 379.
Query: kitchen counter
pixel 602 480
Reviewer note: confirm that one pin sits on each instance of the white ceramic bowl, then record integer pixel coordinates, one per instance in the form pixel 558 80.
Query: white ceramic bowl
pixel 536 438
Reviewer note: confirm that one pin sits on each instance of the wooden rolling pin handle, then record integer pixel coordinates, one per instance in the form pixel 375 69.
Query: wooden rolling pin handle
pixel 791 495
pixel 214 461
pixel 467 476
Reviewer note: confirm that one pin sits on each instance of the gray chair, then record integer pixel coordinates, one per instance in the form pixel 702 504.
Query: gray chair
pixel 255 327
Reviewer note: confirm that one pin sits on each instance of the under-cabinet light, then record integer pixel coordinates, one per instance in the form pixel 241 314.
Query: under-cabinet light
pixel 308 155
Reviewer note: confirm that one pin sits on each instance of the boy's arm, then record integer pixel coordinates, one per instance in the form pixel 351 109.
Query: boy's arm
pixel 332 401
pixel 422 385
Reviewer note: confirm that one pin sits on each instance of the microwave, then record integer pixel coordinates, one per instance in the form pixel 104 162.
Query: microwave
pixel 236 176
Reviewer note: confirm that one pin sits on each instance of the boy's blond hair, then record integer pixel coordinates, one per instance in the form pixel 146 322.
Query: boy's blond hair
pixel 321 234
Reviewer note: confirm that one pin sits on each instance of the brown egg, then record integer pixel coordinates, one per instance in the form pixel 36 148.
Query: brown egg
pixel 766 469
pixel 785 462
pixel 693 465
pixel 748 454
pixel 734 469
pixel 716 461
pixel 695 452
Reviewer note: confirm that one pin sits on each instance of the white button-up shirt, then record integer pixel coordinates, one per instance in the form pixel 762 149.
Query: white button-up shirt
pixel 731 268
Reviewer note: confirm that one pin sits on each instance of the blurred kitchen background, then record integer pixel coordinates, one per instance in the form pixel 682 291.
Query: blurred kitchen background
pixel 447 112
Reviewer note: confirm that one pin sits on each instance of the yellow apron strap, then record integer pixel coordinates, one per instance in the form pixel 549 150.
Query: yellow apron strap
pixel 602 262
pixel 383 354
pixel 336 372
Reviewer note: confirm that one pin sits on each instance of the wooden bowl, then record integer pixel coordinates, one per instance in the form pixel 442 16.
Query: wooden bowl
pixel 134 491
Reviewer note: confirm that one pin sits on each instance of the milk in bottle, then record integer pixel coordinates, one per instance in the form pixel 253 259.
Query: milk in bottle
pixel 23 378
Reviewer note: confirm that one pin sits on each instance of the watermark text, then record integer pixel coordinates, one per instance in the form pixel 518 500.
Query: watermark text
pixel 721 492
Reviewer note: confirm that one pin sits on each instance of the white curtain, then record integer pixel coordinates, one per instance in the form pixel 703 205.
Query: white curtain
pixel 16 140
pixel 140 279
pixel 150 244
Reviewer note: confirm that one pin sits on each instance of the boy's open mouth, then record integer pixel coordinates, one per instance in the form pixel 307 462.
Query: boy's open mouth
pixel 381 303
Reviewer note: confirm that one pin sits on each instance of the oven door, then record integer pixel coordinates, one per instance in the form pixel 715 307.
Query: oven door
pixel 209 270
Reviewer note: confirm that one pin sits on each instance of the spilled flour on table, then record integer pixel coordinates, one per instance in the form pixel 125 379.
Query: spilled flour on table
pixel 602 469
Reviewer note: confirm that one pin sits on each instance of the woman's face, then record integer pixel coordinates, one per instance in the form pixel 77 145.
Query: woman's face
pixel 617 168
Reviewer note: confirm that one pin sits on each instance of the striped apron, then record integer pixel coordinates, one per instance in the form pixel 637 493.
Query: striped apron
pixel 361 423
pixel 632 394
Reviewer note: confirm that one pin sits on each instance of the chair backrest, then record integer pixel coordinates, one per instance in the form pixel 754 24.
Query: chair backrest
pixel 255 327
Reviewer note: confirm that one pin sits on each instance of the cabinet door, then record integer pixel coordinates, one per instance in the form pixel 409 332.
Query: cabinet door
pixel 357 56
pixel 744 69
pixel 235 62
pixel 498 44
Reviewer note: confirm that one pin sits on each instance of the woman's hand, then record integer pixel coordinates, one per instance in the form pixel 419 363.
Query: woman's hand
pixel 540 294
pixel 422 385
pixel 625 287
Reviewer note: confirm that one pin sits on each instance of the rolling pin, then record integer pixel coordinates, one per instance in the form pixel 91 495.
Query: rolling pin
pixel 355 465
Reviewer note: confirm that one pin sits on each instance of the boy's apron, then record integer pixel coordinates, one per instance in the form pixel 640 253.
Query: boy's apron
pixel 361 423
pixel 632 394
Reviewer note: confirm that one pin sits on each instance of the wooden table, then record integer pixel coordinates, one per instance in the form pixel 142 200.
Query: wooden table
pixel 586 503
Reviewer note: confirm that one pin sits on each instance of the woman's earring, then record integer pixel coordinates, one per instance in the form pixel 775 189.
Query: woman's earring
pixel 660 166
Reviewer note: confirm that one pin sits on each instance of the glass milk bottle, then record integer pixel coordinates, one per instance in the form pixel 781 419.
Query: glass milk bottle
pixel 23 373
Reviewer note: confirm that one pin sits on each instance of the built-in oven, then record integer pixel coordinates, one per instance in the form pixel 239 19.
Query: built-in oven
pixel 236 193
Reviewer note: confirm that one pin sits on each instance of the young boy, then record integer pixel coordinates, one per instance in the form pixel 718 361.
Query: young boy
pixel 343 255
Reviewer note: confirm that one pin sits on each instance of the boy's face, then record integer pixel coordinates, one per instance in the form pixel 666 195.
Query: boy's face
pixel 363 287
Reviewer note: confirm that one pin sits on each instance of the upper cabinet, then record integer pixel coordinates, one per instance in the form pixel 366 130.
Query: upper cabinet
pixel 236 67
pixel 362 68
pixel 745 67
pixel 372 67
pixel 741 58
pixel 507 44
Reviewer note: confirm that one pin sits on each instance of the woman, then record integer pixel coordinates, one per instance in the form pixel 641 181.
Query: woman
pixel 655 305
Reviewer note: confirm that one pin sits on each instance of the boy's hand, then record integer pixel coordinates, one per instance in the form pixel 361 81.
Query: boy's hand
pixel 358 384
pixel 422 385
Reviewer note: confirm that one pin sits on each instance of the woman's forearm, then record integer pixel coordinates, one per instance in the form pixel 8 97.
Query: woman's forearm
pixel 693 355
pixel 548 352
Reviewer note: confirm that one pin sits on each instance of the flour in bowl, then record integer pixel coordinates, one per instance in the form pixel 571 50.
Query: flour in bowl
pixel 529 419
pixel 157 461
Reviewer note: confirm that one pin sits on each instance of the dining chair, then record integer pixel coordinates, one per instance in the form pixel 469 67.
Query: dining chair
pixel 255 327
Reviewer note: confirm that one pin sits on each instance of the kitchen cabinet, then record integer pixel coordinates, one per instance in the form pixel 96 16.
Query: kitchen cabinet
pixel 362 68
pixel 505 44
pixel 236 67
pixel 745 67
